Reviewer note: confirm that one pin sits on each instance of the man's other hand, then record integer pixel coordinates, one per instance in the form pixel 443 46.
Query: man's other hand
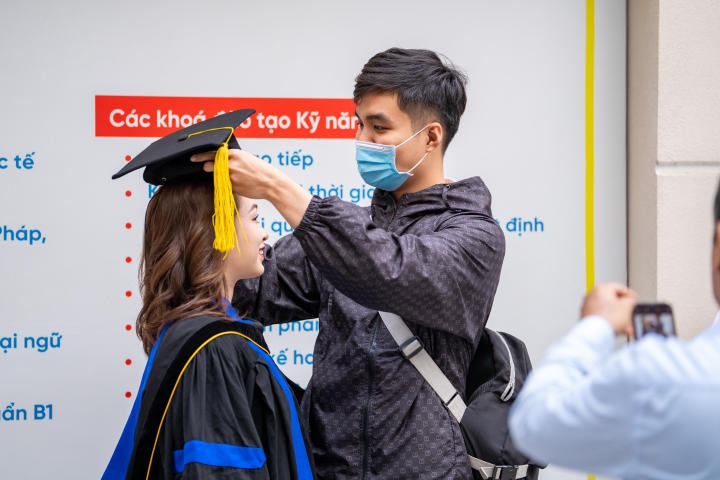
pixel 614 302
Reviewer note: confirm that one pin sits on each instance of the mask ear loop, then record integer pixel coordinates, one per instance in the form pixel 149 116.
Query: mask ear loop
pixel 409 172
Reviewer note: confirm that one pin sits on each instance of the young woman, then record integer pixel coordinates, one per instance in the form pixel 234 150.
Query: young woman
pixel 212 403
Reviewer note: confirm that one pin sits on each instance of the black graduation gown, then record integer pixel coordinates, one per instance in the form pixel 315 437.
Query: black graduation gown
pixel 231 415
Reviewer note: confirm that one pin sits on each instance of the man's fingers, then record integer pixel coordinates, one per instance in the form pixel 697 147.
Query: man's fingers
pixel 206 157
pixel 627 295
pixel 615 289
pixel 203 157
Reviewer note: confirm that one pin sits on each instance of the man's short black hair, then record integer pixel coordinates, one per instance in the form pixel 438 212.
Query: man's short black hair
pixel 425 84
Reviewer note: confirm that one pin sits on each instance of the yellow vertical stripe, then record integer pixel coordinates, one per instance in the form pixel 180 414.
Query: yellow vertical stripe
pixel 589 144
pixel 590 149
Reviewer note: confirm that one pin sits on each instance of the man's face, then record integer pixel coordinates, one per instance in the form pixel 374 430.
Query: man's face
pixel 380 120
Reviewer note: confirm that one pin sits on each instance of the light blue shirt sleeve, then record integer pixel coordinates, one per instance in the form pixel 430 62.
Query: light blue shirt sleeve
pixel 648 411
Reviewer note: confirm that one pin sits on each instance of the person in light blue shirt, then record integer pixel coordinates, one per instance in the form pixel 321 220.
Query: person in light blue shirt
pixel 650 410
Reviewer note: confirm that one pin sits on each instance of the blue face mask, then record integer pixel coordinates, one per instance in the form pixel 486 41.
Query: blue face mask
pixel 376 163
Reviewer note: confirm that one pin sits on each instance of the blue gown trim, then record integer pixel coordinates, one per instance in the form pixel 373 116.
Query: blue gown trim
pixel 218 455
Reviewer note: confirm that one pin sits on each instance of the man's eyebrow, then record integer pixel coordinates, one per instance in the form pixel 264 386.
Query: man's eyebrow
pixel 374 116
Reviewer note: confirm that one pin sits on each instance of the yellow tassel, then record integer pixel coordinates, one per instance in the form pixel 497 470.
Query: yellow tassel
pixel 225 207
pixel 223 218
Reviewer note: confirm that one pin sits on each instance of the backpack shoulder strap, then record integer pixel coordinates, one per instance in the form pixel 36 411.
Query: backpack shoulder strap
pixel 498 338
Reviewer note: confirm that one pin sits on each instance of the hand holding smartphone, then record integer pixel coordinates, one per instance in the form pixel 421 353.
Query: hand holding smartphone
pixel 653 318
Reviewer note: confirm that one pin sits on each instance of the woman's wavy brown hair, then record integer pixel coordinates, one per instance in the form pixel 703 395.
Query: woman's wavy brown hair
pixel 180 272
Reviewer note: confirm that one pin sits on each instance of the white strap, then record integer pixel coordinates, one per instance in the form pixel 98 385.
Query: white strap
pixel 413 350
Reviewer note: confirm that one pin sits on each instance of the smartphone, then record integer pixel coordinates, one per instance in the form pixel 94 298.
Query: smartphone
pixel 653 318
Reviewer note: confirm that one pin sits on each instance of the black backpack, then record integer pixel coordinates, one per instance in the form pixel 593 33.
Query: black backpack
pixel 497 372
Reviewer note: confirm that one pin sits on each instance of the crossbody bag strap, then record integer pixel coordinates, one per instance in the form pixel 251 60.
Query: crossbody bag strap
pixel 413 349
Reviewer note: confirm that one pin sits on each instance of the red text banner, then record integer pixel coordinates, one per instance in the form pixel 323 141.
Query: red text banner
pixel 144 116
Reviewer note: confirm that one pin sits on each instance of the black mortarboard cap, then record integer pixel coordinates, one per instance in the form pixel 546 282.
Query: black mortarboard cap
pixel 168 159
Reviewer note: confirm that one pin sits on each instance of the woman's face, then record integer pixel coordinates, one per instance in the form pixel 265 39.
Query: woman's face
pixel 247 263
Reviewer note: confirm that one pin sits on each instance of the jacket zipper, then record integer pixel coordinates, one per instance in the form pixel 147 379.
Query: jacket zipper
pixel 366 413
pixel 371 369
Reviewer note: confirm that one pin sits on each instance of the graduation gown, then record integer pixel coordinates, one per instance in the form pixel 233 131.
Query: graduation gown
pixel 231 414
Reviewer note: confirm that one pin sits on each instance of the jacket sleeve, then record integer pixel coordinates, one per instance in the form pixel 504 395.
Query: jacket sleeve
pixel 288 290
pixel 445 279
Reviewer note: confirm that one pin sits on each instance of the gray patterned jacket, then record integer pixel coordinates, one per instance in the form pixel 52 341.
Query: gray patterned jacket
pixel 434 258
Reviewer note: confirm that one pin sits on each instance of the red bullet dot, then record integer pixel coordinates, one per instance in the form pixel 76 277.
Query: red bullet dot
pixel 128 158
pixel 128 327
pixel 128 294
pixel 128 361
pixel 128 394
pixel 128 259
pixel 128 225
pixel 128 193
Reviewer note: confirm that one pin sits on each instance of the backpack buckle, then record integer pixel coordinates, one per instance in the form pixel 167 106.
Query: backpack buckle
pixel 504 472
pixel 411 347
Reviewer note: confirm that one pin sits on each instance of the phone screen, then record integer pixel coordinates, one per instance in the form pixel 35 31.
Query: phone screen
pixel 653 318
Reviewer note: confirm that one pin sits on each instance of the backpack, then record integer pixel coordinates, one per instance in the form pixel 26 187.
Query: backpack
pixel 497 371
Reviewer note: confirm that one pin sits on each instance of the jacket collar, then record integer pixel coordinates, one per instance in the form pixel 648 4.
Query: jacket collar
pixel 469 194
